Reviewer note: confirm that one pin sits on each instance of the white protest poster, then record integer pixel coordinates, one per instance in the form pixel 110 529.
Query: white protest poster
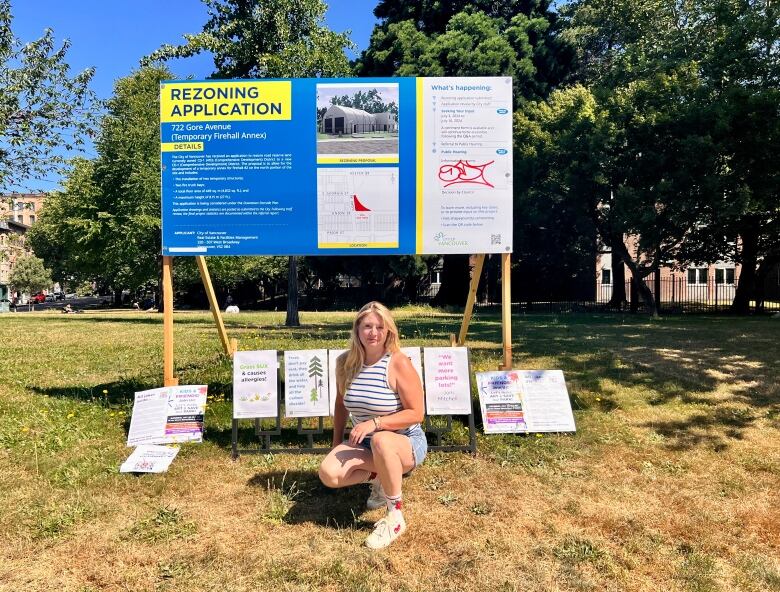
pixel 186 409
pixel 500 399
pixel 447 386
pixel 413 353
pixel 306 383
pixel 333 355
pixel 546 401
pixel 149 458
pixel 168 415
pixel 255 392
pixel 150 412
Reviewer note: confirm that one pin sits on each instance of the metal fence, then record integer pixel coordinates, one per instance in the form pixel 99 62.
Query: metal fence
pixel 677 296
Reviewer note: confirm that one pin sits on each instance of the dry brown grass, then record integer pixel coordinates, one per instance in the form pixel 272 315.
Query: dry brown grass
pixel 671 483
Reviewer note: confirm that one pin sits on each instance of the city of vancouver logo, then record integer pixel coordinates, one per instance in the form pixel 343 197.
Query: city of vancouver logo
pixel 447 241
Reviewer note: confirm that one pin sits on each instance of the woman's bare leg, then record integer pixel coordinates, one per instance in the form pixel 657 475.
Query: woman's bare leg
pixel 346 465
pixel 392 457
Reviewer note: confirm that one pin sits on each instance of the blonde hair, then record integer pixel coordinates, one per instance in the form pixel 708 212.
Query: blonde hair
pixel 351 362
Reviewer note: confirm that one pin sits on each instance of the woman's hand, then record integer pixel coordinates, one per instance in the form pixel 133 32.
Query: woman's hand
pixel 360 431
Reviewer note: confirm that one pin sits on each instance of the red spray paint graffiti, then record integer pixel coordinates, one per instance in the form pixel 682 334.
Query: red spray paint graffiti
pixel 464 172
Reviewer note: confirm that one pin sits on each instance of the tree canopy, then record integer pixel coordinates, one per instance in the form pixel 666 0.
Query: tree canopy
pixel 29 275
pixel 45 111
pixel 662 141
pixel 521 39
pixel 105 224
pixel 265 39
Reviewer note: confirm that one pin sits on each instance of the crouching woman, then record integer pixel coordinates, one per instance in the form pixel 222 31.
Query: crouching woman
pixel 378 386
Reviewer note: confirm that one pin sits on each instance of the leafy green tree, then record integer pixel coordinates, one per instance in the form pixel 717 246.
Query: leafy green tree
pixel 106 223
pixel 267 39
pixel 469 38
pixel 45 111
pixel 691 89
pixel 369 101
pixel 63 234
pixel 29 275
pixel 547 142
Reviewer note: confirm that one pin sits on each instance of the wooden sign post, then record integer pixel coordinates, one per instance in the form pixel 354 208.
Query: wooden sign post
pixel 231 345
pixel 506 305
pixel 167 276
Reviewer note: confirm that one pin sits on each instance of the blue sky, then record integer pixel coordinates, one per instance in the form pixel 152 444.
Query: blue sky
pixel 113 35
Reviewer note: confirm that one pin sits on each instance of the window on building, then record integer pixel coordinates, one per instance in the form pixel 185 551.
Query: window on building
pixel 32 219
pixel 31 206
pixel 724 275
pixel 697 276
pixel 606 276
pixel 20 219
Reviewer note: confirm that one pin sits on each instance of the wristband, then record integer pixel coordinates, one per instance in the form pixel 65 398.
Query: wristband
pixel 377 424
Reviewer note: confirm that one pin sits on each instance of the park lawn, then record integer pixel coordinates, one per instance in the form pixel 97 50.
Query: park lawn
pixel 672 481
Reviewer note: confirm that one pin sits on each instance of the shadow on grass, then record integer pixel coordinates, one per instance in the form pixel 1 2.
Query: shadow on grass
pixel 109 393
pixel 718 375
pixel 725 365
pixel 147 319
pixel 289 438
pixel 307 500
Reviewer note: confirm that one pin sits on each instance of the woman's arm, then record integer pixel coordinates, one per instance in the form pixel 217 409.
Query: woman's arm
pixel 404 380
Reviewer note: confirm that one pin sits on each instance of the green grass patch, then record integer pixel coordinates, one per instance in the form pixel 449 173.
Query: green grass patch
pixel 670 482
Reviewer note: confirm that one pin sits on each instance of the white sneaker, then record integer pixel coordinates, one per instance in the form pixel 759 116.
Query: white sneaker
pixel 377 498
pixel 386 530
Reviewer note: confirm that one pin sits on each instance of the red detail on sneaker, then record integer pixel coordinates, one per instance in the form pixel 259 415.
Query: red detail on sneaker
pixel 397 505
pixel 371 476
pixel 397 528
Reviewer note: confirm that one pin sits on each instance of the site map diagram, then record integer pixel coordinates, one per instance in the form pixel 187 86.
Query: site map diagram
pixel 357 207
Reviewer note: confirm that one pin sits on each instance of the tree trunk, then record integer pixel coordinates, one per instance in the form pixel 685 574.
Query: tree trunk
pixel 455 280
pixel 618 299
pixel 657 290
pixel 763 272
pixel 747 279
pixel 647 296
pixel 638 279
pixel 292 294
pixel 117 297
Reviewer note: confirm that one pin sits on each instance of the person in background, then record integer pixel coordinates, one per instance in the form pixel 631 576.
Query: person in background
pixel 378 386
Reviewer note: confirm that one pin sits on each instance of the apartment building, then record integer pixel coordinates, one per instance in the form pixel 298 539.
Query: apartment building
pixel 23 208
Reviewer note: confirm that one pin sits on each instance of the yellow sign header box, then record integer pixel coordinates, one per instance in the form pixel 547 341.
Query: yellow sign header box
pixel 250 100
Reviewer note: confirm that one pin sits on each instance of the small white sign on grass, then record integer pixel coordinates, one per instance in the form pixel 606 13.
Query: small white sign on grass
pixel 306 383
pixel 168 415
pixel 149 458
pixel 515 401
pixel 447 386
pixel 255 385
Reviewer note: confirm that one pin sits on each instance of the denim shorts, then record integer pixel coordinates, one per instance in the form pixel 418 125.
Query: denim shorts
pixel 417 439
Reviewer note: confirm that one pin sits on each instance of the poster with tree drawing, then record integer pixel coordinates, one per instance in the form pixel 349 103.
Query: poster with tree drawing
pixel 305 383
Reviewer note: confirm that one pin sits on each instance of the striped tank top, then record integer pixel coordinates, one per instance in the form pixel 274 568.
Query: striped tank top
pixel 370 395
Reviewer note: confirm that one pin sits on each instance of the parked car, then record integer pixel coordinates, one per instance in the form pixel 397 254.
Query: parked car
pixel 70 295
pixel 38 298
pixel 49 297
pixel 59 295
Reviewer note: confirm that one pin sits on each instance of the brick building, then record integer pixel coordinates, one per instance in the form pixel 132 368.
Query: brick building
pixel 18 211
pixel 23 208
